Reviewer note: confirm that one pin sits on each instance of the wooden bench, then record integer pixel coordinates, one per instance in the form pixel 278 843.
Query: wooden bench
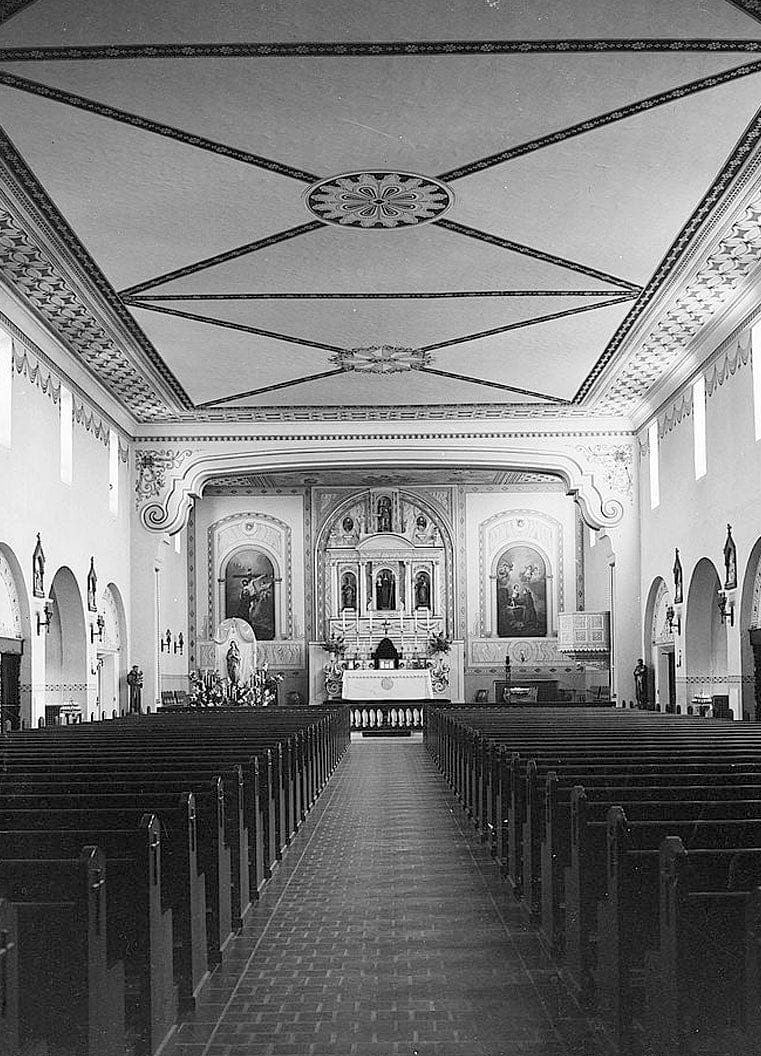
pixel 9 1026
pixel 70 996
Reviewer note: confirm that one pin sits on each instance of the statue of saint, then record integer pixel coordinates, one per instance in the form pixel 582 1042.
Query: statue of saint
pixel 640 683
pixel 232 662
pixel 422 591
pixel 384 514
pixel 135 683
pixel 348 591
pixel 385 594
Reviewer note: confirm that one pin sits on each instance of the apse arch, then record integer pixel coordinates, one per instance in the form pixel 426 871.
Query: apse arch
pixel 66 644
pixel 15 641
pixel 705 635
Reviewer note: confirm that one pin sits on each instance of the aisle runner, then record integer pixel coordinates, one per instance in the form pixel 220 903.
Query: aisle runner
pixel 385 939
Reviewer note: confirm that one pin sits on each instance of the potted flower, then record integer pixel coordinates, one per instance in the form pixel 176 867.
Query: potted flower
pixel 335 645
pixel 206 689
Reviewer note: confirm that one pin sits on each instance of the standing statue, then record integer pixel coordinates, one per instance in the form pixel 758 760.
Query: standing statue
pixel 384 514
pixel 640 683
pixel 135 683
pixel 232 662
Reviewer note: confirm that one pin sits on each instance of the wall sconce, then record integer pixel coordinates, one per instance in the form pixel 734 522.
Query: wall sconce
pixel 179 644
pixel 100 623
pixel 166 641
pixel 47 609
pixel 672 620
pixel 726 607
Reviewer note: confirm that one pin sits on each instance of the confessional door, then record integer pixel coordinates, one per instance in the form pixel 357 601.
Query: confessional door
pixel 10 691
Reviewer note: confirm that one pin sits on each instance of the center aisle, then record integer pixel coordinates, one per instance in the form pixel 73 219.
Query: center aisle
pixel 385 932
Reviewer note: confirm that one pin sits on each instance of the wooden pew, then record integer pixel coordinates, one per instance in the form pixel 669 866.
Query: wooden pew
pixel 70 996
pixel 700 981
pixel 183 883
pixel 9 1026
pixel 138 928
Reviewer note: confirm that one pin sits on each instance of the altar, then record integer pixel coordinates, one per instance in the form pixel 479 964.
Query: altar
pixel 398 684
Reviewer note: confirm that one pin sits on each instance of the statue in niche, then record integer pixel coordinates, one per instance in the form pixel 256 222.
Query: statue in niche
pixel 385 590
pixel 422 591
pixel 678 578
pixel 348 591
pixel 730 561
pixel 521 585
pixel 384 514
pixel 38 570
pixel 232 663
pixel 92 587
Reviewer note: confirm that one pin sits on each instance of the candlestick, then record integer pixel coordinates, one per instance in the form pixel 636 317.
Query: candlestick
pixel 343 621
pixel 428 621
pixel 401 620
pixel 370 617
pixel 414 616
pixel 357 615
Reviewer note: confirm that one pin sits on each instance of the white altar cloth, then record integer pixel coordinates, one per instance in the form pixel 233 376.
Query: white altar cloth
pixel 404 684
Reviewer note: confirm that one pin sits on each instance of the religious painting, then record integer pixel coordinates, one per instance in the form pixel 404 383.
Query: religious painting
pixel 348 591
pixel 385 590
pixel 250 592
pixel 521 593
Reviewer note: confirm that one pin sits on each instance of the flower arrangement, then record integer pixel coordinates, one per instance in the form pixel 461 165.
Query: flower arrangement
pixel 263 687
pixel 207 689
pixel 335 644
pixel 439 643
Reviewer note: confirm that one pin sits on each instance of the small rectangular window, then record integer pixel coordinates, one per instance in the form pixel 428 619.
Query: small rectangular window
pixel 592 536
pixel 699 425
pixel 113 472
pixel 6 387
pixel 67 435
pixel 655 484
pixel 756 374
pixel 177 543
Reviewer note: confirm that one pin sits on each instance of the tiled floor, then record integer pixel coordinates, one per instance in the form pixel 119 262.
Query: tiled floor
pixel 385 931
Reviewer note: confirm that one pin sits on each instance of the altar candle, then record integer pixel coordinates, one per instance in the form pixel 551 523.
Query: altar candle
pixel 428 621
pixel 343 621
pixel 370 617
pixel 414 616
pixel 357 615
pixel 401 620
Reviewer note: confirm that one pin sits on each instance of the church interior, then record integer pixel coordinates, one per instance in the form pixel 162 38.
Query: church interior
pixel 380 559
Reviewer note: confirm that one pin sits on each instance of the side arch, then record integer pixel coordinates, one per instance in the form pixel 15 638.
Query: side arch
pixel 705 635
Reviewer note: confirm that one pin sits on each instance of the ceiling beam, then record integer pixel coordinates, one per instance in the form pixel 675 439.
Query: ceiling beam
pixel 611 117
pixel 270 388
pixel 375 49
pixel 124 117
pixel 138 300
pixel 222 258
pixel 492 384
pixel 537 254
pixel 524 323
pixel 227 325
pixel 751 8
pixel 9 8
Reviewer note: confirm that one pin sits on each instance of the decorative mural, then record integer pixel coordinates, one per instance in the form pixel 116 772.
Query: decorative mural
pixel 521 586
pixel 249 591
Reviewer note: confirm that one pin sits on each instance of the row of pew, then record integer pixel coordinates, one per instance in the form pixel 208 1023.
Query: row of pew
pixel 131 853
pixel 634 841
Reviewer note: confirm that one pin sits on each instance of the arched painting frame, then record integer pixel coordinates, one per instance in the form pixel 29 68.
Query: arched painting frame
pixel 521 586
pixel 250 591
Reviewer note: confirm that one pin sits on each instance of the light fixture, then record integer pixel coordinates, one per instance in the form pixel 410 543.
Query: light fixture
pixel 100 623
pixel 166 641
pixel 726 607
pixel 47 609
pixel 179 643
pixel 673 620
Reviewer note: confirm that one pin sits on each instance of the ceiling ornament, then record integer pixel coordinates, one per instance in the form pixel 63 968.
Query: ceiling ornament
pixel 381 359
pixel 379 200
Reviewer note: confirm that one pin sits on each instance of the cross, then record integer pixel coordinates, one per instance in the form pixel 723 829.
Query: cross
pixel 385 627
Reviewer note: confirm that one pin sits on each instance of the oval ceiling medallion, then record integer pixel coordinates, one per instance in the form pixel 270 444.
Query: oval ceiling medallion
pixel 378 199
pixel 381 359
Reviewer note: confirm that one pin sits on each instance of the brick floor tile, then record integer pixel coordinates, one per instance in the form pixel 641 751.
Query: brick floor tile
pixel 385 931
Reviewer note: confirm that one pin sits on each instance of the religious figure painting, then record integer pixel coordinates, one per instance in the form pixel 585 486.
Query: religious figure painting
pixel 521 593
pixel 250 592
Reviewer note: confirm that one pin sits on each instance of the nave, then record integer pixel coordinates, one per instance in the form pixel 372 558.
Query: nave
pixel 386 930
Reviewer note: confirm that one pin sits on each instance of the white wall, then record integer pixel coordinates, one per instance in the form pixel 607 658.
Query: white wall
pixel 693 515
pixel 73 520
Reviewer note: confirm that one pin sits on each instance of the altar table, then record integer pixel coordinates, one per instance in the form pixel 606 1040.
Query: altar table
pixel 404 684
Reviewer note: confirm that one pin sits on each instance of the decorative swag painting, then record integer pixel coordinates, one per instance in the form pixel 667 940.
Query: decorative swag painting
pixel 249 592
pixel 521 593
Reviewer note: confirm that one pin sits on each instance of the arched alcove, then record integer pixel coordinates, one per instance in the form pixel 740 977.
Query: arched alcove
pixel 112 653
pixel 15 651
pixel 705 634
pixel 658 647
pixel 65 646
pixel 750 635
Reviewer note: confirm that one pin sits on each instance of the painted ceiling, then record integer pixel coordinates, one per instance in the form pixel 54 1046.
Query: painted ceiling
pixel 312 206
pixel 368 477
